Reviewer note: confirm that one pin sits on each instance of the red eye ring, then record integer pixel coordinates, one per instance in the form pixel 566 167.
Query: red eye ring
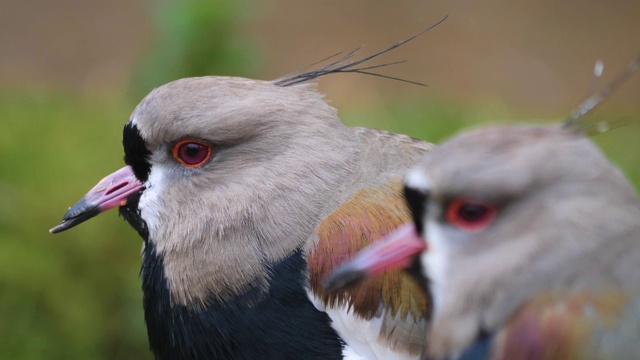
pixel 191 153
pixel 469 215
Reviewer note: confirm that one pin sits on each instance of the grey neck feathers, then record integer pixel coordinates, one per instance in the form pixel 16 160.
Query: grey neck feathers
pixel 219 238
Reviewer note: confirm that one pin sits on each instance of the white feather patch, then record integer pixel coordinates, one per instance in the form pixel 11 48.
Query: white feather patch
pixel 416 179
pixel 361 336
pixel 150 201
pixel 434 261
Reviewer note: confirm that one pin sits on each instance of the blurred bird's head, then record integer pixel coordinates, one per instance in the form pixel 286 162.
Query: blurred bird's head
pixel 509 212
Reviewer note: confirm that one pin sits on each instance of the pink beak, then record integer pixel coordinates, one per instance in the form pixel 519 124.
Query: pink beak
pixel 396 251
pixel 110 192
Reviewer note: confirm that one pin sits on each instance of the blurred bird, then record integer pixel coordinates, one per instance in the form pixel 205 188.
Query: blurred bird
pixel 247 194
pixel 533 245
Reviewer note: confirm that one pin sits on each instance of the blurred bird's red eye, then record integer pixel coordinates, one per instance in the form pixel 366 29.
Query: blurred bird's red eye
pixel 468 215
pixel 191 153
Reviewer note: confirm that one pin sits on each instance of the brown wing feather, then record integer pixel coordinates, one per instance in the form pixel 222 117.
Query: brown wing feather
pixel 369 215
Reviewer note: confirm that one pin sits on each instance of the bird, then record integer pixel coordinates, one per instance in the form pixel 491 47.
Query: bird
pixel 247 193
pixel 530 244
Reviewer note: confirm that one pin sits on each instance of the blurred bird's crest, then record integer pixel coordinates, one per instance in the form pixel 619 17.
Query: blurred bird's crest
pixel 345 64
pixel 577 120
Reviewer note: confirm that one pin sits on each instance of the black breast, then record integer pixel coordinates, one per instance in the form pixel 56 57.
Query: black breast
pixel 281 325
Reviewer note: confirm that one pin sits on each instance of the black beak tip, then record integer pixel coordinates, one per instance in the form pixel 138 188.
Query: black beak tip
pixel 64 225
pixel 78 213
pixel 343 278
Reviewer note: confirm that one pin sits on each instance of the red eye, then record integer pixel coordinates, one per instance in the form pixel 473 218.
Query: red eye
pixel 191 153
pixel 470 216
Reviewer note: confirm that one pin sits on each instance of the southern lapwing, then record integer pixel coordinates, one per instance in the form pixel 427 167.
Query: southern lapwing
pixel 529 239
pixel 247 194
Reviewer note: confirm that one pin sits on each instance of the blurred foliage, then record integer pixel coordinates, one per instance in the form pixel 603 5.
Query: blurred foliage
pixel 74 295
pixel 196 38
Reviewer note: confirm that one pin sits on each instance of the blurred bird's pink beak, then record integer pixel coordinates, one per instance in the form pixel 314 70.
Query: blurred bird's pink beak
pixel 396 251
pixel 110 192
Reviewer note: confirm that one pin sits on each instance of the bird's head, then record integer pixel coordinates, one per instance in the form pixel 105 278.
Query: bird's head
pixel 509 211
pixel 241 166
pixel 499 213
pixel 221 172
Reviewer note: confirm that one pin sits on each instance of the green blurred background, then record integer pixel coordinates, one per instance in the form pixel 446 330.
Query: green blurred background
pixel 71 72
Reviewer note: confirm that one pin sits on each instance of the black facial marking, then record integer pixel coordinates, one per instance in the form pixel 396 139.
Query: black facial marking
pixel 416 200
pixel 281 324
pixel 136 153
pixel 480 349
pixel 131 214
pixel 415 271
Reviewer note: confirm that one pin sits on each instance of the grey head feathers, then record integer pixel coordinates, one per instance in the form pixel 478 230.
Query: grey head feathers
pixel 216 224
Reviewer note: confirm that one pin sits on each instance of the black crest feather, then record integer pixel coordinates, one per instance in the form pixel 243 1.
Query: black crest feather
pixel 345 64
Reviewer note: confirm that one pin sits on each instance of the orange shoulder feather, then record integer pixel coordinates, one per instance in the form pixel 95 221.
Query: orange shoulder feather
pixel 369 215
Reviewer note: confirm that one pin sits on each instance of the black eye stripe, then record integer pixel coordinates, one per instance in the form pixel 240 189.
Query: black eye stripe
pixel 416 200
pixel 136 153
